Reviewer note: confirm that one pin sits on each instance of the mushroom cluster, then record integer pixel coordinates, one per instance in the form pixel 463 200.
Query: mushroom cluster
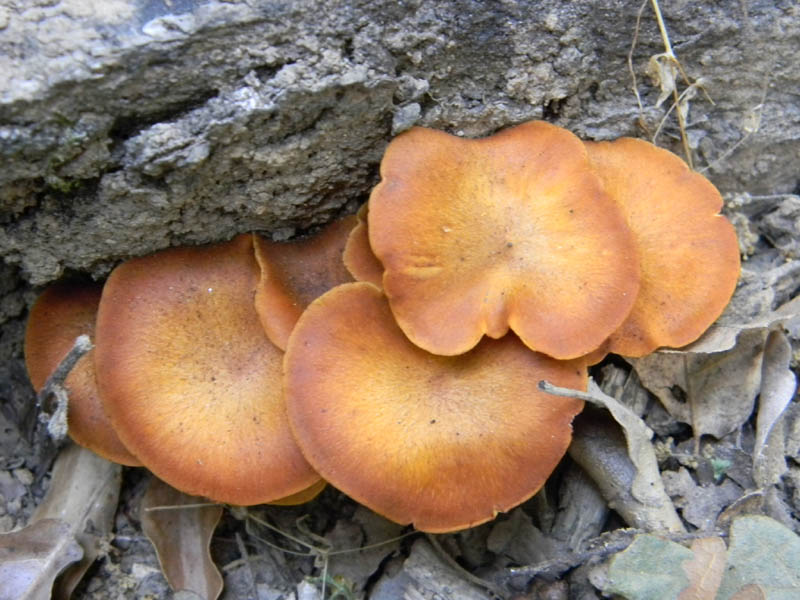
pixel 185 376
pixel 397 354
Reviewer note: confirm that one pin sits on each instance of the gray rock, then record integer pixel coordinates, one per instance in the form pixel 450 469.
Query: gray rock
pixel 136 124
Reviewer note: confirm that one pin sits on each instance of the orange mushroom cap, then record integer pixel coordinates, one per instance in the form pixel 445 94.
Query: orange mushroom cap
pixel 62 312
pixel 513 230
pixel 688 252
pixel 294 273
pixel 303 496
pixel 358 256
pixel 190 381
pixel 441 442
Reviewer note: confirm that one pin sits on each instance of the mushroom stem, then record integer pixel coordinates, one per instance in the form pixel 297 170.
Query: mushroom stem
pixel 54 386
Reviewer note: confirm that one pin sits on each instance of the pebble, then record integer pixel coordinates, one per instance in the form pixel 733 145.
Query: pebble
pixel 6 523
pixel 24 476
pixel 14 506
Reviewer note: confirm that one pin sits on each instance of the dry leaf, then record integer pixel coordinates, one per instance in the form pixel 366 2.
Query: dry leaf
pixel 595 450
pixel 720 374
pixel 752 503
pixel 624 385
pixel 719 389
pixel 662 69
pixel 756 305
pixel 700 505
pixel 781 225
pixel 181 537
pixel 649 568
pixel 518 541
pixel 434 578
pixel 365 529
pixel 750 592
pixel 84 492
pixel 31 559
pixel 599 447
pixel 778 385
pixel 582 510
pixel 646 486
pixel 761 562
pixel 704 569
pixel 762 552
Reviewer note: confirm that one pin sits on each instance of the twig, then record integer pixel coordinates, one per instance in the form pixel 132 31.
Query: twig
pixel 623 415
pixel 630 65
pixel 54 386
pixel 375 544
pixel 662 28
pixel 548 387
pixel 81 346
pixel 312 550
pixel 598 548
pixel 773 196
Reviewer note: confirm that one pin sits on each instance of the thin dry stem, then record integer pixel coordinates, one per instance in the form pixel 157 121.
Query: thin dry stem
pixel 54 386
pixel 749 129
pixel 674 66
pixel 548 387
pixel 631 70
pixel 321 552
pixel 597 549
pixel 676 97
